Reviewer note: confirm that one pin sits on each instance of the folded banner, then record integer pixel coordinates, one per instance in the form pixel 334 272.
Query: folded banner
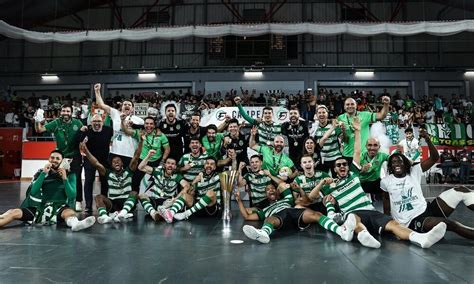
pixel 451 134
pixel 445 28
pixel 217 116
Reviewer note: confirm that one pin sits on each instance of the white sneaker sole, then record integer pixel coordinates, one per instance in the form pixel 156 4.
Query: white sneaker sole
pixel 253 233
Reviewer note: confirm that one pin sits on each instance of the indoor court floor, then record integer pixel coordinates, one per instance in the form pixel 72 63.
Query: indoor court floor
pixel 200 251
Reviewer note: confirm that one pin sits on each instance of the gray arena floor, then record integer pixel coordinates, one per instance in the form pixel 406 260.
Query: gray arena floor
pixel 200 251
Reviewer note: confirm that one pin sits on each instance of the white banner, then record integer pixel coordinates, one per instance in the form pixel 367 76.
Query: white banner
pixel 217 116
pixel 141 109
pixel 445 28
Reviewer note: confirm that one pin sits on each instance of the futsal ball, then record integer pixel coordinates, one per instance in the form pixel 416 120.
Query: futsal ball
pixel 284 172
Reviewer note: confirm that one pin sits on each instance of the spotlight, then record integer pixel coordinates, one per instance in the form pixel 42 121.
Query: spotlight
pixel 364 73
pixel 146 75
pixel 49 77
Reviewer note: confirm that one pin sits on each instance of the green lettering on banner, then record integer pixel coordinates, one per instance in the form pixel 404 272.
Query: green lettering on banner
pixel 450 134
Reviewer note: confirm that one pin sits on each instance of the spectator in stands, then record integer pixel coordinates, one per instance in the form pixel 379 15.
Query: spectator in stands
pixel 438 108
pixel 430 115
pixel 27 120
pixel 12 119
pixel 448 161
pixel 465 159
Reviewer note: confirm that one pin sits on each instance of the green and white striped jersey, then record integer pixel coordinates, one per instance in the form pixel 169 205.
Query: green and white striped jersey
pixel 331 148
pixel 309 183
pixel 120 184
pixel 207 183
pixel 165 187
pixel 349 194
pixel 286 201
pixel 257 183
pixel 196 168
pixel 267 132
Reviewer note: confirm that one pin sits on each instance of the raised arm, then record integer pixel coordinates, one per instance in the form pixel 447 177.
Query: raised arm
pixel 125 128
pixel 242 111
pixel 136 156
pixel 143 166
pixel 273 178
pixel 357 143
pixel 328 133
pixel 434 155
pixel 243 211
pixel 38 182
pixel 39 127
pixel 99 100
pixel 383 112
pixel 241 181
pixel 222 127
pixel 252 143
pixel 93 160
pixel 315 192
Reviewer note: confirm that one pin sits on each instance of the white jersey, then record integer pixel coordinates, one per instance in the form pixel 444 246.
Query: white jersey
pixel 123 144
pixel 406 198
pixel 84 111
pixel 411 149
pixel 44 103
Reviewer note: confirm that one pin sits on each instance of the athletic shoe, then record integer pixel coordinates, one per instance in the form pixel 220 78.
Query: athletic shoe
pixel 183 215
pixel 104 219
pixel 256 234
pixel 83 224
pixel 348 228
pixel 432 237
pixel 78 206
pixel 123 216
pixel 367 240
pixel 166 214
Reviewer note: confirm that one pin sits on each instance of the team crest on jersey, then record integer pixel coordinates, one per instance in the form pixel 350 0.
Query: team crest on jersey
pixel 165 125
pixel 75 128
pixel 241 143
pixel 300 128
pixel 178 127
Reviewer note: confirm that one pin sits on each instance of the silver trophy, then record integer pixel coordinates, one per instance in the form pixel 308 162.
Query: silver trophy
pixel 228 181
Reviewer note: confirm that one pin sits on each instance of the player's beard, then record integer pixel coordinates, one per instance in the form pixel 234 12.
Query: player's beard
pixel 66 118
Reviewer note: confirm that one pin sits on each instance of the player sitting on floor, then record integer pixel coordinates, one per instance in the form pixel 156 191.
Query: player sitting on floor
pixel 280 214
pixel 120 196
pixel 165 189
pixel 404 199
pixel 50 198
pixel 204 198
pixel 348 193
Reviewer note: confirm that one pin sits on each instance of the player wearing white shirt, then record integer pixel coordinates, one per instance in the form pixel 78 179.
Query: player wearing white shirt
pixel 411 146
pixel 404 198
pixel 122 145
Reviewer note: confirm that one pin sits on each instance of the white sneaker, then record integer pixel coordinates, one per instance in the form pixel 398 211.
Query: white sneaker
pixel 348 228
pixel 123 216
pixel 104 219
pixel 256 234
pixel 183 215
pixel 433 236
pixel 166 214
pixel 78 206
pixel 84 224
pixel 367 240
